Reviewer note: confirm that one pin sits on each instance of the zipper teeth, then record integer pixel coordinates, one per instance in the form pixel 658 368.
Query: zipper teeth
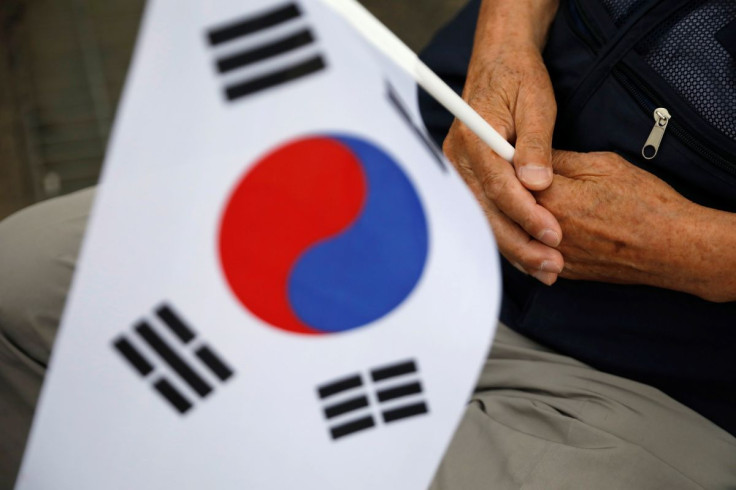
pixel 621 74
pixel 698 147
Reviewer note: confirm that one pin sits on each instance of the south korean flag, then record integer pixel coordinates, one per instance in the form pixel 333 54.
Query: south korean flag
pixel 284 284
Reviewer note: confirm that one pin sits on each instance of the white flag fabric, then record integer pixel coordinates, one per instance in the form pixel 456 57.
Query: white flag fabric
pixel 284 284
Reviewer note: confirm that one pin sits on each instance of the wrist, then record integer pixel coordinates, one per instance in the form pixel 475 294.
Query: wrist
pixel 524 23
pixel 709 259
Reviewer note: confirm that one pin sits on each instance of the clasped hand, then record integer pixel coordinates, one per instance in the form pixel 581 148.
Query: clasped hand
pixel 591 216
pixel 620 223
pixel 509 86
pixel 579 216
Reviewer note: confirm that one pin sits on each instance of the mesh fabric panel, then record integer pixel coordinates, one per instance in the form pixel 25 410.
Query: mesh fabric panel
pixel 684 51
pixel 622 10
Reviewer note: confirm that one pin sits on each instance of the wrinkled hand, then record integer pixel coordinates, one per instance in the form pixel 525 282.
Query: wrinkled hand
pixel 621 224
pixel 510 87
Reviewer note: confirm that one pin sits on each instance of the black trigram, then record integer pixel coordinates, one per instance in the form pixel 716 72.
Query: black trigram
pixel 395 390
pixel 157 349
pixel 278 38
pixel 395 102
pixel 396 381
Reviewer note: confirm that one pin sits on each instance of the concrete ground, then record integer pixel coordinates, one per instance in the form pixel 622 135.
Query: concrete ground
pixel 62 67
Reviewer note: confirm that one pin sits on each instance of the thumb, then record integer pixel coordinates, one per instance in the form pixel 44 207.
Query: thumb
pixel 535 122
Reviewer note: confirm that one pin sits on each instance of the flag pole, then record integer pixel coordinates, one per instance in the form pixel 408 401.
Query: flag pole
pixel 390 45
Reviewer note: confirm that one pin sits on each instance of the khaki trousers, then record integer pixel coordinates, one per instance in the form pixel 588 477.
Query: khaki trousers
pixel 539 420
pixel 38 252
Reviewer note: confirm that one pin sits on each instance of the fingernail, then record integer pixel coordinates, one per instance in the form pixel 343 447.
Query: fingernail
pixel 545 277
pixel 535 175
pixel 549 266
pixel 549 237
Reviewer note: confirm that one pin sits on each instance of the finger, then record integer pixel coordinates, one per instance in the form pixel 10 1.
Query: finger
pixel 499 183
pixel 498 179
pixel 545 277
pixel 527 254
pixel 493 106
pixel 534 118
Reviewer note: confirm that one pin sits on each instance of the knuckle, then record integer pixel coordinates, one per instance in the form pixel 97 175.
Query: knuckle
pixel 467 174
pixel 448 146
pixel 536 142
pixel 495 109
pixel 494 185
pixel 454 143
pixel 605 157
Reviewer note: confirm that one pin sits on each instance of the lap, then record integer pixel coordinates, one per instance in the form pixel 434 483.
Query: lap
pixel 543 420
pixel 38 252
pixel 537 420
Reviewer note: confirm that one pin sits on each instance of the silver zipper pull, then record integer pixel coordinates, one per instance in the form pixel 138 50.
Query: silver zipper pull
pixel 661 119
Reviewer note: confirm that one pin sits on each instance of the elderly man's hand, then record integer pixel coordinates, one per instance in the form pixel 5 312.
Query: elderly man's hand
pixel 509 86
pixel 622 224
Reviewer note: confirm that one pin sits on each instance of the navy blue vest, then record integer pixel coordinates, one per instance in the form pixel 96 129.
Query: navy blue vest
pixel 612 62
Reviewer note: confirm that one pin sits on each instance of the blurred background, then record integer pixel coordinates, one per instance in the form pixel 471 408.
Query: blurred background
pixel 62 67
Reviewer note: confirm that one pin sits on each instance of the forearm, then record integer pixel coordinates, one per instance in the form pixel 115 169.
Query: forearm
pixel 624 225
pixel 508 85
pixel 703 248
pixel 520 22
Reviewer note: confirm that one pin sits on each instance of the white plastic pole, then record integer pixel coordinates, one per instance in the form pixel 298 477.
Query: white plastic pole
pixel 390 45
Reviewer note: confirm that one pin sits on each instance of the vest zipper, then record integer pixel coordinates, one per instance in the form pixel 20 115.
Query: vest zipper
pixel 651 146
pixel 648 102
pixel 642 95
